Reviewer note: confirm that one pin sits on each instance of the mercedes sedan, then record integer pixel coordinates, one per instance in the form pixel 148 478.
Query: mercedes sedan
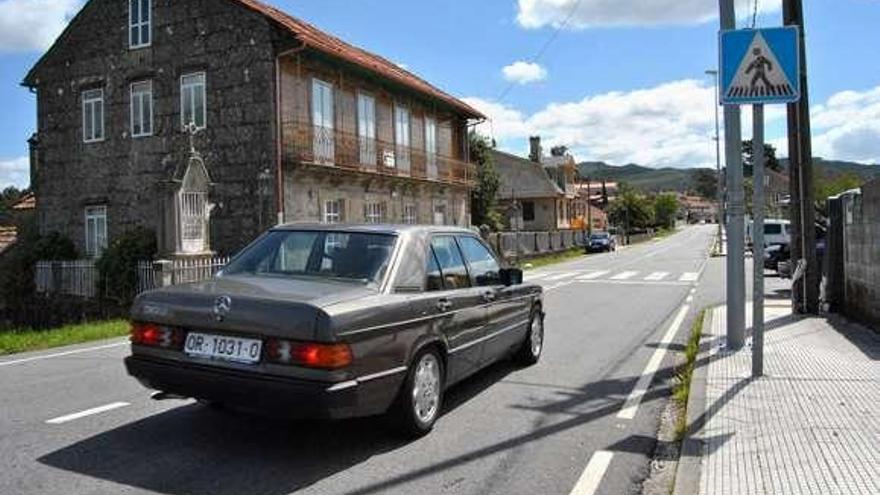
pixel 339 321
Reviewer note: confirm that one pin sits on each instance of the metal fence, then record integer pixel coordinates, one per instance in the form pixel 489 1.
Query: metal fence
pixel 81 277
pixel 75 278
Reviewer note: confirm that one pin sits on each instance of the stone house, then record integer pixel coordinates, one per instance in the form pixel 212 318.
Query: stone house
pixel 538 193
pixel 211 120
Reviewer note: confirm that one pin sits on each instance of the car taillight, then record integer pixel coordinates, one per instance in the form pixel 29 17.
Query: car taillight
pixel 309 354
pixel 151 334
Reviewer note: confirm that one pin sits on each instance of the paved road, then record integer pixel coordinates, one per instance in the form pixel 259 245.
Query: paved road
pixel 582 421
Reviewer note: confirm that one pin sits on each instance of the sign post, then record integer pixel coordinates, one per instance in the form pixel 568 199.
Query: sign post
pixel 758 67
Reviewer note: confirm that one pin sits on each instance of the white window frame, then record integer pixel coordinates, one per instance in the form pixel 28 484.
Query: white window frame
pixel 373 212
pixel 139 115
pixel 402 136
pixel 95 229
pixel 366 112
pixel 332 211
pixel 439 208
pixel 93 98
pixel 185 87
pixel 136 23
pixel 431 146
pixel 323 120
pixel 410 214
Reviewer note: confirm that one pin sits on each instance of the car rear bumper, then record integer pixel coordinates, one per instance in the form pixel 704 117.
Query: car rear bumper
pixel 271 394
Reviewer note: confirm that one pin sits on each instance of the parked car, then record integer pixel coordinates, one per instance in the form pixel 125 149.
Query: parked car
pixel 339 321
pixel 776 231
pixel 601 241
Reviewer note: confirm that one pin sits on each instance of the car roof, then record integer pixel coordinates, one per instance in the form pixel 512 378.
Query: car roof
pixel 380 228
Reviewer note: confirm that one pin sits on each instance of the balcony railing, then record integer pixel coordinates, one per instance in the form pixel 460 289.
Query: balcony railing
pixel 320 145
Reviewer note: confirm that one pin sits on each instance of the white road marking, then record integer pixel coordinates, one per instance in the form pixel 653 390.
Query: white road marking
pixel 689 277
pixel 534 276
pixel 591 276
pixel 65 353
pixel 560 276
pixel 87 412
pixel 589 481
pixel 624 275
pixel 628 411
pixel 657 276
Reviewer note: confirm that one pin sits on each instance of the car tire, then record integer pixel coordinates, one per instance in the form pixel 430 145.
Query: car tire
pixel 420 399
pixel 530 351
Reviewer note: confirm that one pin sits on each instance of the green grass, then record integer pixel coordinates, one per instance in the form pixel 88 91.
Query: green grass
pixel 31 340
pixel 551 259
pixel 683 376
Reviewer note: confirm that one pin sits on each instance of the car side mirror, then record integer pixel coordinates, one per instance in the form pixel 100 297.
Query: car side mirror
pixel 511 276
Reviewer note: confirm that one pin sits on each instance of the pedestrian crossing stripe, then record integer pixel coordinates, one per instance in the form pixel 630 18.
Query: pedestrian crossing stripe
pixel 594 275
pixel 657 276
pixel 689 277
pixel 760 66
pixel 624 275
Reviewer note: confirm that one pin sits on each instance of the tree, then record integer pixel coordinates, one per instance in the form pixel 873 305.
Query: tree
pixel 483 196
pixel 665 210
pixel 631 209
pixel 7 197
pixel 706 183
pixel 604 195
pixel 826 186
pixel 560 150
pixel 770 160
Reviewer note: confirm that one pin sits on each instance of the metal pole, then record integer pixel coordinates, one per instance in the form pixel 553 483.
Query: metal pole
pixel 758 238
pixel 719 212
pixel 736 308
pixel 589 210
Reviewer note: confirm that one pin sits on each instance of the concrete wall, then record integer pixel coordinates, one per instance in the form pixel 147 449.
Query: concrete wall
pixel 861 251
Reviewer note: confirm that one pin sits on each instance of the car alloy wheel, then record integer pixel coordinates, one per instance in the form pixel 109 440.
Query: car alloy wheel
pixel 426 388
pixel 530 351
pixel 536 335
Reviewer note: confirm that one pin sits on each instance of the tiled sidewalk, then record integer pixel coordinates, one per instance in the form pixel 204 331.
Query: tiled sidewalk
pixel 810 425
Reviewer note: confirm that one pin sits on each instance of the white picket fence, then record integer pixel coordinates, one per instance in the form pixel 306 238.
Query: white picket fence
pixel 81 277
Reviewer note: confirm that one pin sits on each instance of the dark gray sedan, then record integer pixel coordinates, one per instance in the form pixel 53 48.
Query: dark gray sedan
pixel 339 321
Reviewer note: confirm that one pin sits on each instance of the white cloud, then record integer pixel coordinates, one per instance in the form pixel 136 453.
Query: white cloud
pixel 668 125
pixel 603 13
pixel 15 172
pixel 847 126
pixel 32 25
pixel 524 72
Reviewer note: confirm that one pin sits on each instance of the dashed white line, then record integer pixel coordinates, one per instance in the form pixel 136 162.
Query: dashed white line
pixel 559 276
pixel 534 276
pixel 689 277
pixel 657 276
pixel 628 411
pixel 624 275
pixel 88 412
pixel 591 276
pixel 65 353
pixel 589 481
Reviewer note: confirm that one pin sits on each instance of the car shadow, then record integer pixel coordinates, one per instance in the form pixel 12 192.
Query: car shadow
pixel 197 449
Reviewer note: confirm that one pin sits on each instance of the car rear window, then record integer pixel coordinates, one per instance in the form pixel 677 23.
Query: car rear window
pixel 350 256
pixel 772 228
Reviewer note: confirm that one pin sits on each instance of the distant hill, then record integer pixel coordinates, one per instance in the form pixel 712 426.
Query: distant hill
pixel 645 178
pixel 682 179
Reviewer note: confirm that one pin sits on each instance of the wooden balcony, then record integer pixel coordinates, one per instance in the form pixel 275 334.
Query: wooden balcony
pixel 317 145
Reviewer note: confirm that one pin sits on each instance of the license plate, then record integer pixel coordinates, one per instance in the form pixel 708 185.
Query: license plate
pixel 223 347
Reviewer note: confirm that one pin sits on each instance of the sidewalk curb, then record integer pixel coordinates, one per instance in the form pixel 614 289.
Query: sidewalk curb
pixel 688 472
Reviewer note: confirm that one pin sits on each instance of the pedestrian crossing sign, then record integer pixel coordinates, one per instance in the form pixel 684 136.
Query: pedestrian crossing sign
pixel 760 66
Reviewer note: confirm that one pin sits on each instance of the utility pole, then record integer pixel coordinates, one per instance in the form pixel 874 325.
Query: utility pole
pixel 804 291
pixel 719 212
pixel 758 238
pixel 736 293
pixel 589 210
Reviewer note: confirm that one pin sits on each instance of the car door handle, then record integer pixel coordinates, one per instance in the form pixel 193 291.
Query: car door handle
pixel 489 296
pixel 444 305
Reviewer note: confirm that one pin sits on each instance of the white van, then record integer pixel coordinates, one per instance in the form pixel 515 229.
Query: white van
pixel 776 231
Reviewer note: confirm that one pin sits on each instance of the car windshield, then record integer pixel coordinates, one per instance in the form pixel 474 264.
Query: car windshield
pixel 347 256
pixel 599 236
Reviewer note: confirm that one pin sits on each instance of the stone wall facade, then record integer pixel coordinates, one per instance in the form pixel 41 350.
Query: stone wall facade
pixel 231 45
pixel 861 264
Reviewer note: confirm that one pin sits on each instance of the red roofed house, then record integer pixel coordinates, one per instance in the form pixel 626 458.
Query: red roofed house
pixel 210 120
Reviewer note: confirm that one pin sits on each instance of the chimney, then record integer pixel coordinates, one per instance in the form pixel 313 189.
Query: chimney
pixel 535 149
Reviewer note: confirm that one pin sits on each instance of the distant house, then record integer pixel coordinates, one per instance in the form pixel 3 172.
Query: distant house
pixel 211 120
pixel 696 208
pixel 19 213
pixel 538 193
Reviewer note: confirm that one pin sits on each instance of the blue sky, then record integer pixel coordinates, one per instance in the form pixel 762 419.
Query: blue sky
pixel 622 81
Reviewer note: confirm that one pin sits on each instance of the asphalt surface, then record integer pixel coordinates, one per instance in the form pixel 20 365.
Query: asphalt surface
pixel 570 424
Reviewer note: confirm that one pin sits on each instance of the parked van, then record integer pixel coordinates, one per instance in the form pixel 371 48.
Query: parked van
pixel 776 231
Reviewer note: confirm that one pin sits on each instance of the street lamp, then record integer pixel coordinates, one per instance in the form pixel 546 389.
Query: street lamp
pixel 717 138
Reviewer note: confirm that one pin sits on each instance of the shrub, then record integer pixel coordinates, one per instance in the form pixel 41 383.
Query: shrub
pixel 117 265
pixel 17 263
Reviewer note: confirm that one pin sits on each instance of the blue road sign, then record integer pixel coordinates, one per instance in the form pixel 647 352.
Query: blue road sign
pixel 760 66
